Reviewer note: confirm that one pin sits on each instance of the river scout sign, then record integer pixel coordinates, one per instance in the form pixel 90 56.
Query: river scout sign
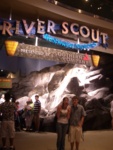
pixel 35 28
pixel 48 31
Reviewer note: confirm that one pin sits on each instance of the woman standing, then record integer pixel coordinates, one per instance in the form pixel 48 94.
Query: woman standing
pixel 63 114
pixel 28 110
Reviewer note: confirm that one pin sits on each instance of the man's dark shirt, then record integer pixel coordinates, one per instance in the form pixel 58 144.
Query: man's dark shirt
pixel 7 109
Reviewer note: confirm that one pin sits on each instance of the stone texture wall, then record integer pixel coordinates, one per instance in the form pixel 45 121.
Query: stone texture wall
pixel 53 83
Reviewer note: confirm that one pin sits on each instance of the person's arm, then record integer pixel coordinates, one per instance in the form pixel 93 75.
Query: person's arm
pixel 58 111
pixel 39 108
pixel 83 114
pixel 69 112
pixel 81 121
pixel 25 108
pixel 0 108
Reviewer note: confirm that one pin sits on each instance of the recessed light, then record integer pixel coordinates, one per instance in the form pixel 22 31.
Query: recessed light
pixel 79 10
pixel 56 2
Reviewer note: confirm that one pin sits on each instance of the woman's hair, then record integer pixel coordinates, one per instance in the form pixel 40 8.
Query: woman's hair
pixel 64 100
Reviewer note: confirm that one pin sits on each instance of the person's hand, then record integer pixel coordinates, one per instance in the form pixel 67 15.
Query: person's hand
pixel 80 124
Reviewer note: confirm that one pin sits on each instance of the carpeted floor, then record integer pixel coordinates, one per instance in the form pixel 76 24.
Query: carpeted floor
pixel 93 140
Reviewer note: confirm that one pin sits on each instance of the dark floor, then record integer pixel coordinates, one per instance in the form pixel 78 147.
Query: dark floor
pixel 93 140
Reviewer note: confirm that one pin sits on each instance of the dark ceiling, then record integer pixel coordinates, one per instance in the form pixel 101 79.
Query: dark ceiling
pixel 102 8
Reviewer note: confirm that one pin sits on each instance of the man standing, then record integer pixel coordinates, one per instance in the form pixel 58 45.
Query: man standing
pixel 76 122
pixel 37 109
pixel 7 125
pixel 111 111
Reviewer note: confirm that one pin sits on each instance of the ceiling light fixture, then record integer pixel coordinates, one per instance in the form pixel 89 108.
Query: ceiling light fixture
pixel 79 11
pixel 10 15
pixel 99 8
pixel 56 2
pixel 86 0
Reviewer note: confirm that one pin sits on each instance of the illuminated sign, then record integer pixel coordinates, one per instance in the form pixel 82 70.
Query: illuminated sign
pixel 38 52
pixel 12 27
pixel 5 83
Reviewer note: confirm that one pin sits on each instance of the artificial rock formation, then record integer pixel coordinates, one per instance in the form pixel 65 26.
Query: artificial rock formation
pixel 55 82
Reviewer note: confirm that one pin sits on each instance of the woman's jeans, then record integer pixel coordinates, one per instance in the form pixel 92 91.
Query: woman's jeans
pixel 61 134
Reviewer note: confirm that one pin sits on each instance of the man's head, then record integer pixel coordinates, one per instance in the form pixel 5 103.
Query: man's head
pixel 29 101
pixel 7 97
pixel 2 96
pixel 17 102
pixel 37 97
pixel 74 100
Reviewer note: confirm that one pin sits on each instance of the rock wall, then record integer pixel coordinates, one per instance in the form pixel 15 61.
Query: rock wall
pixel 53 83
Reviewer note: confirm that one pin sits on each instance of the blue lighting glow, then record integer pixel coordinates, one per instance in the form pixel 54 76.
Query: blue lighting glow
pixel 70 45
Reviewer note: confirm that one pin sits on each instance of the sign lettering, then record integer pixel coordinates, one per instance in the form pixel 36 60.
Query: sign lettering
pixel 38 52
pixel 33 28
